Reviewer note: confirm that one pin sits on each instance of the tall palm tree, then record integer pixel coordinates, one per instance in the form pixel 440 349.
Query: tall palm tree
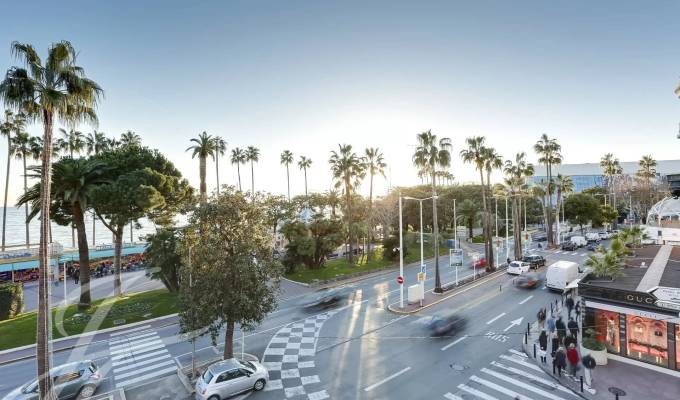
pixel 71 141
pixel 303 164
pixel 287 159
pixel 469 211
pixel 333 200
pixel 220 149
pixel 130 138
pixel 348 171
pixel 112 143
pixel 72 181
pixel 238 157
pixel 516 174
pixel 646 173
pixel 476 154
pixel 611 168
pixel 13 125
pixel 96 142
pixel 56 89
pixel 204 146
pixel 565 186
pixel 549 154
pixel 375 164
pixel 492 161
pixel 22 149
pixel 433 153
pixel 252 155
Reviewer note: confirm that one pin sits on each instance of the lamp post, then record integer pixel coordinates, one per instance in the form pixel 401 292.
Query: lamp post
pixel 507 233
pixel 455 228
pixel 422 255
pixel 401 256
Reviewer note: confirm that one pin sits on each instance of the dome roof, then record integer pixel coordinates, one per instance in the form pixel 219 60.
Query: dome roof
pixel 666 212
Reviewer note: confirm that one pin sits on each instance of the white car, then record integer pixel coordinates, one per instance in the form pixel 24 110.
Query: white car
pixel 605 235
pixel 518 267
pixel 230 377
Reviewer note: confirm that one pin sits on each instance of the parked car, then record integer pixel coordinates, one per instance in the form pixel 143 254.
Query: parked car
pixel 528 281
pixel 560 274
pixel 481 263
pixel 568 246
pixel 73 380
pixel 593 246
pixel 539 237
pixel 605 235
pixel 230 377
pixel 593 237
pixel 579 241
pixel 518 267
pixel 535 261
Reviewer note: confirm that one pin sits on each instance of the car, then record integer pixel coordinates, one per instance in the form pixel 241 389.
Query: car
pixel 579 241
pixel 230 377
pixel 528 281
pixel 481 263
pixel 447 325
pixel 73 380
pixel 518 267
pixel 330 297
pixel 605 235
pixel 535 261
pixel 593 247
pixel 569 246
pixel 539 237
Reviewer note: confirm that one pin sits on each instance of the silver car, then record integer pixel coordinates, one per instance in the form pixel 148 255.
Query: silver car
pixel 230 377
pixel 74 380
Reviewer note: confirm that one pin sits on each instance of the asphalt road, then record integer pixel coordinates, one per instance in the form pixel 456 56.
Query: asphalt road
pixel 358 349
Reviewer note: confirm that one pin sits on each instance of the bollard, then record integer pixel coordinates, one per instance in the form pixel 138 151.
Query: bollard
pixel 553 367
pixel 528 329
pixel 551 309
pixel 526 340
pixel 617 396
pixel 500 288
pixel 534 351
pixel 581 383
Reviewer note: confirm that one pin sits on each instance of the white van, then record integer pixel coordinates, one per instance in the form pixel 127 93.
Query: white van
pixel 593 237
pixel 560 274
pixel 578 241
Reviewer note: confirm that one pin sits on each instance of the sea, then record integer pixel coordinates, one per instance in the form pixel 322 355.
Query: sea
pixel 15 231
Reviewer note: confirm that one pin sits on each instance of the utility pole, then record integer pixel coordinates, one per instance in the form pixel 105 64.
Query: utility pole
pixel 401 256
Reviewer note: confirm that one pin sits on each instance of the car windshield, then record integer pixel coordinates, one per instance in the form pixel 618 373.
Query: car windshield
pixel 207 376
pixel 248 365
pixel 31 387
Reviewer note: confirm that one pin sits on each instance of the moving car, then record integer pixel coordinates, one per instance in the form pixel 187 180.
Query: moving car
pixel 535 261
pixel 518 267
pixel 481 263
pixel 528 281
pixel 73 380
pixel 560 274
pixel 440 326
pixel 569 246
pixel 329 298
pixel 230 377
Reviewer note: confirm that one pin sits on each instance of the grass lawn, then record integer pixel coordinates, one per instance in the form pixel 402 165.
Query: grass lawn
pixel 68 321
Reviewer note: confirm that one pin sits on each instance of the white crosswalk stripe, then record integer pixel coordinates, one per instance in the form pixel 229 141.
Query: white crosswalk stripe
pixel 138 357
pixel 520 379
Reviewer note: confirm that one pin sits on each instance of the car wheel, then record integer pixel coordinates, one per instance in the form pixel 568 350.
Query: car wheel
pixel 259 385
pixel 87 391
pixel 214 397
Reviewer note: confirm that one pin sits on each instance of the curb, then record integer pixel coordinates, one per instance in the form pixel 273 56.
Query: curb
pixel 463 289
pixel 295 282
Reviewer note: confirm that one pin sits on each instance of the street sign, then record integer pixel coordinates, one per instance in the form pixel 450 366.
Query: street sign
pixel 422 269
pixel 421 277
pixel 457 258
pixel 400 280
pixel 667 293
pixel 668 304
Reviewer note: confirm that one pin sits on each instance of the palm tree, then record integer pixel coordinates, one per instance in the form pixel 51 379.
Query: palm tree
pixel 476 154
pixel 238 157
pixel 333 201
pixel 220 149
pixel 431 154
pixel 303 164
pixel 72 181
pixel 287 159
pixel 469 211
pixel 252 155
pixel 22 149
pixel 564 186
pixel 549 155
pixel 516 174
pixel 348 171
pixel 375 164
pixel 130 138
pixel 539 190
pixel 492 160
pixel 605 265
pixel 71 141
pixel 646 173
pixel 204 146
pixel 112 143
pixel 56 89
pixel 611 168
pixel 96 142
pixel 13 124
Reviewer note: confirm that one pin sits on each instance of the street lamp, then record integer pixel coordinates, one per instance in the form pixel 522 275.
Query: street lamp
pixel 422 256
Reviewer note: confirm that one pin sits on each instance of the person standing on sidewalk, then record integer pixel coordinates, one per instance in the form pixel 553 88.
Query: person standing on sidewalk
pixel 543 345
pixel 554 344
pixel 551 325
pixel 540 317
pixel 76 276
pixel 560 360
pixel 573 327
pixel 577 310
pixel 570 305
pixel 572 356
pixel 561 329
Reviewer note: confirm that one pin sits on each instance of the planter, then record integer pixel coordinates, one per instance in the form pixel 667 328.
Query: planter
pixel 600 356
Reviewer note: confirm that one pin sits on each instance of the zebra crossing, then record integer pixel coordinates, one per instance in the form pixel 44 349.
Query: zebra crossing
pixel 511 375
pixel 139 356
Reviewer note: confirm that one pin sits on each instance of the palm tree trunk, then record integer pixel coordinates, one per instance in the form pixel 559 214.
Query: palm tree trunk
pixel 557 215
pixel 28 238
pixel 229 341
pixel 551 240
pixel 288 180
pixel 252 179
pixel 203 188
pixel 305 181
pixel 117 250
pixel 516 228
pixel 94 236
pixel 490 261
pixel 369 255
pixel 4 210
pixel 348 189
pixel 238 170
pixel 485 227
pixel 44 328
pixel 217 170
pixel 435 234
pixel 83 256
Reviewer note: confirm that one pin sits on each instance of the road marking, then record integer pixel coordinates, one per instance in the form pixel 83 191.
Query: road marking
pixel 527 299
pixel 129 349
pixel 520 362
pixel 574 254
pixel 519 353
pixel 525 374
pixel 495 318
pixel 460 339
pixel 127 331
pixel 137 358
pixel 140 363
pixel 476 392
pixel 145 369
pixel 521 384
pixel 499 388
pixel 514 322
pixel 389 378
pixel 452 396
pixel 147 376
pixel 114 343
pixel 134 353
pixel 135 342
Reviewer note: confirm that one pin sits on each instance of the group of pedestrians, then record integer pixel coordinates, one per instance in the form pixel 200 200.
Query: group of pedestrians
pixel 563 339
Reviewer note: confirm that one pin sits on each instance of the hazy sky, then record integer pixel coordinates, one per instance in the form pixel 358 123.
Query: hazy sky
pixel 307 75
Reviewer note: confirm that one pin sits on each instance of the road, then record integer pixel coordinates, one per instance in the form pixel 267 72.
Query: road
pixel 357 350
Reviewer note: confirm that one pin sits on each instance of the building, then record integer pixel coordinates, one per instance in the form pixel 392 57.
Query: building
pixel 589 175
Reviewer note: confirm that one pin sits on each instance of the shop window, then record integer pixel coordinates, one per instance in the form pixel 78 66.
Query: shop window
pixel 647 340
pixel 607 329
pixel 677 346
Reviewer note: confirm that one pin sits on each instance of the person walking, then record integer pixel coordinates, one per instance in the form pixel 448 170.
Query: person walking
pixel 577 309
pixel 569 302
pixel 554 344
pixel 542 345
pixel 573 327
pixel 573 358
pixel 560 360
pixel 541 318
pixel 561 329
pixel 551 325
pixel 76 276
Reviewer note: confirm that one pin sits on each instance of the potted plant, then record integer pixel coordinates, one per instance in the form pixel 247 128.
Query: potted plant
pixel 596 349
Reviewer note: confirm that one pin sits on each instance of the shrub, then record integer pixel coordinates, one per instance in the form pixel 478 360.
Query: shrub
pixel 590 343
pixel 391 248
pixel 11 300
pixel 478 239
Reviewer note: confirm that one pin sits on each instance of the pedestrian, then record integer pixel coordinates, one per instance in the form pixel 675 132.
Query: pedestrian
pixel 561 329
pixel 540 317
pixel 543 345
pixel 554 344
pixel 560 360
pixel 573 327
pixel 572 356
pixel 551 325
pixel 76 276
pixel 570 305
pixel 508 260
pixel 577 309
pixel 568 341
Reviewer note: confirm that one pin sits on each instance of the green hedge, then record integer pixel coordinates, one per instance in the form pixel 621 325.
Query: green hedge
pixel 11 300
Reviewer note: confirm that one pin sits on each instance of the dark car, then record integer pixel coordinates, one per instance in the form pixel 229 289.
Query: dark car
pixel 539 237
pixel 594 246
pixel 535 261
pixel 527 281
pixel 329 298
pixel 445 326
pixel 569 246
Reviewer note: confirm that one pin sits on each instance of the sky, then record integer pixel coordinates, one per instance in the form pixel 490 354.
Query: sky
pixel 309 75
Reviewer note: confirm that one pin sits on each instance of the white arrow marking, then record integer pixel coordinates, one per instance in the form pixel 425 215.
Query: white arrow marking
pixel 514 323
